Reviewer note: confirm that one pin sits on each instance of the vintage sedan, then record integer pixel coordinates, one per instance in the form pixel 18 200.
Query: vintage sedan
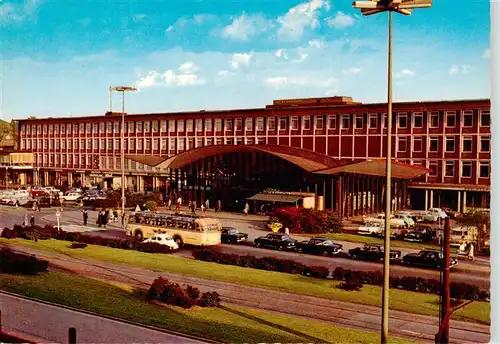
pixel 380 218
pixel 277 241
pixel 231 235
pixel 420 234
pixel 319 245
pixel 371 228
pixel 373 253
pixel 163 239
pixel 428 259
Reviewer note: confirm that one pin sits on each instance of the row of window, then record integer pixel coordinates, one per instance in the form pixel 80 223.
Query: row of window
pixel 191 143
pixel 449 143
pixel 466 166
pixel 284 123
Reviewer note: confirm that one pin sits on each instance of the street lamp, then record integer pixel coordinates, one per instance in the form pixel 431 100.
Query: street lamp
pixel 122 89
pixel 368 8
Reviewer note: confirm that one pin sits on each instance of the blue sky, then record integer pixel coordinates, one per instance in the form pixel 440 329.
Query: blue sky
pixel 60 56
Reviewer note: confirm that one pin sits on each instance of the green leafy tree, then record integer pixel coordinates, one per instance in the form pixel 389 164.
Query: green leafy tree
pixel 480 220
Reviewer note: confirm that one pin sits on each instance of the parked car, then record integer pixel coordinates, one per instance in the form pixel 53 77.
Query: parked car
pixel 463 234
pixel 451 213
pixel 421 234
pixel 434 214
pixel 373 253
pixel 427 258
pixel 278 241
pixel 163 239
pixel 71 196
pixel 409 222
pixel 371 228
pixel 396 233
pixel 319 245
pixel 230 235
pixel 380 218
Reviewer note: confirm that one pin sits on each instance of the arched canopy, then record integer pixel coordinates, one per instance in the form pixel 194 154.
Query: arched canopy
pixel 377 167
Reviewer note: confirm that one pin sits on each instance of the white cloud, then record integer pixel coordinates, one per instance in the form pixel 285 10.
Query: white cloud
pixel 246 26
pixel 340 20
pixel 149 80
pixel 301 17
pixel 404 73
pixel 170 28
pixel 486 54
pixel 16 13
pixel 172 79
pixel 291 81
pixel 459 69
pixel 316 43
pixel 302 57
pixel 223 73
pixel 188 68
pixel 282 53
pixel 353 70
pixel 195 20
pixel 240 59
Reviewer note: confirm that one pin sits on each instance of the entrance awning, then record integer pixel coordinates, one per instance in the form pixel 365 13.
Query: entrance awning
pixel 264 197
pixel 377 167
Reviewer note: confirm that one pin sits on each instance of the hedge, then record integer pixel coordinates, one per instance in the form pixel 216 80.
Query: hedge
pixel 214 254
pixel 17 263
pixel 303 220
pixel 50 232
pixel 173 294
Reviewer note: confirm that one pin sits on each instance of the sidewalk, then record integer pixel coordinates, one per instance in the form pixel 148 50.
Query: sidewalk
pixel 345 314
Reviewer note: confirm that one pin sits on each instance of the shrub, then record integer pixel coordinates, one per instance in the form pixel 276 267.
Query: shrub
pixel 210 299
pixel 151 247
pixel 11 262
pixel 303 220
pixel 151 205
pixel 193 292
pixel 350 286
pixel 78 245
pixel 316 271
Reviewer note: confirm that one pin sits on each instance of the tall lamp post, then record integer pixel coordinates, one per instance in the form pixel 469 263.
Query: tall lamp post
pixel 122 89
pixel 369 8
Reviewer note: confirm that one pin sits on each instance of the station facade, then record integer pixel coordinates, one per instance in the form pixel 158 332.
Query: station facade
pixel 332 146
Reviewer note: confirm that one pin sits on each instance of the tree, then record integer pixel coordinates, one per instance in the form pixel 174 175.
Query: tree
pixel 480 220
pixel 5 129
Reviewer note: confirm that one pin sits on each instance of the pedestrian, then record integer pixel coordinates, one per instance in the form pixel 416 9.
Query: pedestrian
pixel 193 207
pixel 207 204
pixel 190 205
pixel 105 218
pixel 32 220
pixel 25 223
pixel 169 204
pixel 85 217
pixel 202 207
pixel 287 231
pixel 219 206
pixel 246 209
pixel 179 201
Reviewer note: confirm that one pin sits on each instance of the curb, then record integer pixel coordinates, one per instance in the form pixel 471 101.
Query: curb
pixel 158 329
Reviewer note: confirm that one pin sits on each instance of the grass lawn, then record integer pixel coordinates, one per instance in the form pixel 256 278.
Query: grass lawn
pixel 411 302
pixel 227 324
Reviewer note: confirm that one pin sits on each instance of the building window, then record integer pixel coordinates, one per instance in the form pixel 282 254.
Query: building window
pixel 282 123
pixel 485 144
pixel 182 143
pixel 172 145
pixel 109 127
pixel 271 123
pixel 249 124
pixel 332 122
pixel 140 145
pixel 208 124
pixel 468 119
pixel 484 118
pixel 433 144
pixel 306 124
pixel 131 127
pixel 451 119
pixel 372 120
pixel 155 126
pixel 319 122
pixel 218 124
pixel 110 144
pixel 249 140
pixel 433 166
pixel 402 120
pixel 147 144
pixel 229 140
pixel 117 144
pixel 228 124
pixel 238 124
pixel 95 145
pixel 155 144
pixel 401 144
pixel 163 126
pixel 450 144
pixel 180 125
pixel 219 141
pixel 190 143
pixel 484 170
pixel 294 123
pixel 260 123
pixel 418 120
pixel 102 128
pixel 189 125
pixel 434 119
pixel 358 121
pixel 117 127
pixel 467 144
pixel 63 129
pixel 417 144
pixel 449 170
pixel 163 144
pixel 344 122
pixel 147 127
pixel 210 141
pixel 23 144
pixel 75 144
pixel 89 143
pixel 199 142
pixel 199 125
pixel 466 169
pixel 171 126
pixel 102 144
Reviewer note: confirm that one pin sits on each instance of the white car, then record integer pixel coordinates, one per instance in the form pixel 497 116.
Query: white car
pixel 406 218
pixel 370 228
pixel 434 214
pixel 380 218
pixel 163 239
pixel 72 196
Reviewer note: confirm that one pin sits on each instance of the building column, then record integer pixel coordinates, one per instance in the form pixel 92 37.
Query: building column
pixel 459 194
pixel 464 202
pixel 426 199
pixel 432 199
pixel 332 195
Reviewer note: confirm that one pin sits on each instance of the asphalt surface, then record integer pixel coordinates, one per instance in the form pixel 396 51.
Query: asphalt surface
pixel 477 273
pixel 49 323
pixel 416 327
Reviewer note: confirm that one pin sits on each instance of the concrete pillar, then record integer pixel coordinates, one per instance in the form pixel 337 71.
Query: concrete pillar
pixel 459 193
pixel 426 199
pixel 141 184
pixel 82 178
pixel 464 202
pixel 432 199
pixel 70 179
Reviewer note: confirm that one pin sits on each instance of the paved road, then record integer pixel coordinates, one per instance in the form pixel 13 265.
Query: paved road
pixel 50 323
pixel 345 314
pixel 477 273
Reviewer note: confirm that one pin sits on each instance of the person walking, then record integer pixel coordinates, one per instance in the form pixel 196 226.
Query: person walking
pixel 193 207
pixel 207 204
pixel 32 220
pixel 202 207
pixel 169 204
pixel 26 222
pixel 85 217
pixel 219 206
pixel 99 219
pixel 246 209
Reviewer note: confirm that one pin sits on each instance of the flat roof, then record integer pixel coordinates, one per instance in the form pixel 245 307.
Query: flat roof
pixel 274 198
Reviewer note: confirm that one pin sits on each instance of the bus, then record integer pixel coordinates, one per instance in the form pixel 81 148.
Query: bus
pixel 184 229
